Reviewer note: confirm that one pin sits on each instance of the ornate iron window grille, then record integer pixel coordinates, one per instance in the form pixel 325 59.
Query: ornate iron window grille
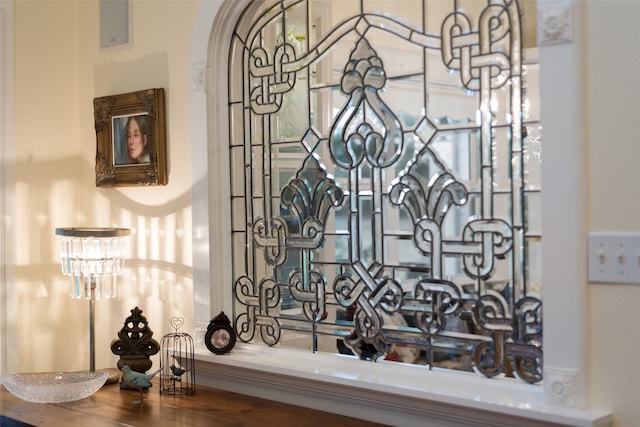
pixel 370 223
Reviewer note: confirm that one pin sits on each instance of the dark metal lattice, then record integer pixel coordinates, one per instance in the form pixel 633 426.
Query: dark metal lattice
pixel 177 363
pixel 369 218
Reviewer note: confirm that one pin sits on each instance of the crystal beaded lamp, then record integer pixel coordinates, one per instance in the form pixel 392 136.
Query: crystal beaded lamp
pixel 93 258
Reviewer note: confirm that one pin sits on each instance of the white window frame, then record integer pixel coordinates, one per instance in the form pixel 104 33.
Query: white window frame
pixel 390 393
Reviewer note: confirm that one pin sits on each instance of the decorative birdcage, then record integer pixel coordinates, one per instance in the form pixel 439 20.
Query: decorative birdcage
pixel 177 373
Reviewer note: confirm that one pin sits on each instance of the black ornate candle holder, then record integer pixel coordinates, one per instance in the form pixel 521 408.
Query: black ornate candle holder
pixel 135 344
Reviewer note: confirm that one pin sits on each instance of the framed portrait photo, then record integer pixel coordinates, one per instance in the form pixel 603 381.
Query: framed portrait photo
pixel 131 139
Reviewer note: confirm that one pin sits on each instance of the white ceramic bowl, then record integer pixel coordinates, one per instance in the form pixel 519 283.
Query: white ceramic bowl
pixel 54 387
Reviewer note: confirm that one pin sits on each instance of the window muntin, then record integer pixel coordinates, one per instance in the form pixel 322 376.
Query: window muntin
pixel 414 126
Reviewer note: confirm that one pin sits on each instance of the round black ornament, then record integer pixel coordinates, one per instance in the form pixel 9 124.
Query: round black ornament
pixel 220 337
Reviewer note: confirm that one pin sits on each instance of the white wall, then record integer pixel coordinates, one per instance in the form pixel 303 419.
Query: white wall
pixel 612 68
pixel 60 68
pixel 8 294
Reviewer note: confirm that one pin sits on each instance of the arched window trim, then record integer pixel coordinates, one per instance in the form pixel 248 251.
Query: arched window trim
pixel 271 372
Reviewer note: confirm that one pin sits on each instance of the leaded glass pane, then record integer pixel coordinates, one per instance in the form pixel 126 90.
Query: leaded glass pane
pixel 385 164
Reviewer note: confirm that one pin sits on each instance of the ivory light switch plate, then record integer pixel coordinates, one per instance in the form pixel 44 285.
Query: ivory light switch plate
pixel 614 257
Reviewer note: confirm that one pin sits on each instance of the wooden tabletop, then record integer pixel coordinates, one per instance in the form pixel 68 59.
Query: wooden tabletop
pixel 111 406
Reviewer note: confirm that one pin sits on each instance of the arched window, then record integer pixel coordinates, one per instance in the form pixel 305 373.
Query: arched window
pixel 328 381
pixel 385 183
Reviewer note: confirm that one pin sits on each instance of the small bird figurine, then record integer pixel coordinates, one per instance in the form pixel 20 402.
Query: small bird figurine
pixel 178 360
pixel 177 371
pixel 137 380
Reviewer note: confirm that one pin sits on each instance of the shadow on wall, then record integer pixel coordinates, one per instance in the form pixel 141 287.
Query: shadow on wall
pixel 158 276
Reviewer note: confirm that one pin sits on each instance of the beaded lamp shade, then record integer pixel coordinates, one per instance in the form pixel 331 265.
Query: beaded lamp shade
pixel 92 258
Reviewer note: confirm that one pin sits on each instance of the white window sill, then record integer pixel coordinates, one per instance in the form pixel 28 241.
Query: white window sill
pixel 389 393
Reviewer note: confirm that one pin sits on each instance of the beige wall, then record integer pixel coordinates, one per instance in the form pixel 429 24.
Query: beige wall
pixel 613 66
pixel 60 69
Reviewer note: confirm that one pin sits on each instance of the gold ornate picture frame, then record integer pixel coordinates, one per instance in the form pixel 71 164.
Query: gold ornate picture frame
pixel 131 139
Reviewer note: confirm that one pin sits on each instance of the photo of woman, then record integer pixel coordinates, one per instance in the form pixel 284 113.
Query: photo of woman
pixel 131 140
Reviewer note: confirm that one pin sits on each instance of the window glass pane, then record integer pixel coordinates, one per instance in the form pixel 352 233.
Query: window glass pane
pixel 385 170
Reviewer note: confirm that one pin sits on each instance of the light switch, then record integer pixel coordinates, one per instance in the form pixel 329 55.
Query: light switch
pixel 614 257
